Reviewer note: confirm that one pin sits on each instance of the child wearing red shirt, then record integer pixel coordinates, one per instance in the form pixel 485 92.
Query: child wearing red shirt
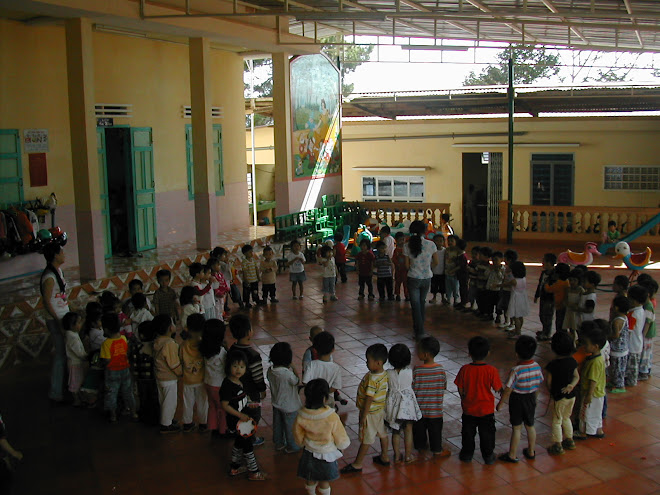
pixel 476 382
pixel 365 264
pixel 340 257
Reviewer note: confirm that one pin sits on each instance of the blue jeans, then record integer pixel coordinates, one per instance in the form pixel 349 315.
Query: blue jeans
pixel 451 288
pixel 418 289
pixel 116 382
pixel 283 429
pixel 59 361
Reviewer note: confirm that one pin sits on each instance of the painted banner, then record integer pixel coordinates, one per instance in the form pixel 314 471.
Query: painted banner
pixel 35 140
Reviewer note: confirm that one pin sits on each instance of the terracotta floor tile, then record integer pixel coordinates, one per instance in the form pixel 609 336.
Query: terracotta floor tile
pixel 634 485
pixel 601 489
pixel 606 469
pixel 545 485
pixel 574 478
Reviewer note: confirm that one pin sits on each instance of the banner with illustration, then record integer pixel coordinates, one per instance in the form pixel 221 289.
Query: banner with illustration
pixel 316 112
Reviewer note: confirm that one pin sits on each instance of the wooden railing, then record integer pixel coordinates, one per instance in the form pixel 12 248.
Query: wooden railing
pixel 395 213
pixel 580 223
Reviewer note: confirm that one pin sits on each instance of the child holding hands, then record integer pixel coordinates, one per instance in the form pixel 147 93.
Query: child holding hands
pixel 284 381
pixel 167 366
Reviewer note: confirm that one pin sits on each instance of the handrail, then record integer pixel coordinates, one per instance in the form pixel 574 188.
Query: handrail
pixel 395 213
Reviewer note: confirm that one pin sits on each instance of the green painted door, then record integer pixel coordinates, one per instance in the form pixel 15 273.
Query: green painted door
pixel 103 179
pixel 217 160
pixel 11 170
pixel 144 192
pixel 190 170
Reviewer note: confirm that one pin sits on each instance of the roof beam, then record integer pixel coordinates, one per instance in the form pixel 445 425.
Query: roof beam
pixel 551 7
pixel 484 8
pixel 629 10
pixel 421 8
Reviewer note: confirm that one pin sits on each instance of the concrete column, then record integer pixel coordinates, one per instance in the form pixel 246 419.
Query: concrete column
pixel 86 181
pixel 283 132
pixel 206 216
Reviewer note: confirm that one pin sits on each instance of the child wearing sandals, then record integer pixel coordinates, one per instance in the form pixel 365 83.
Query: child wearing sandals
pixel 295 260
pixel 401 409
pixel 519 303
pixel 319 431
pixel 619 335
pixel 521 389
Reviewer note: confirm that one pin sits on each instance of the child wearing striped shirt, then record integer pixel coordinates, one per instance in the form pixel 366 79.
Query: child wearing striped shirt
pixel 521 389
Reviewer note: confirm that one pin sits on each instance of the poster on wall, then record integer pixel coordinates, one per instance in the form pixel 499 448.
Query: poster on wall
pixel 316 116
pixel 35 140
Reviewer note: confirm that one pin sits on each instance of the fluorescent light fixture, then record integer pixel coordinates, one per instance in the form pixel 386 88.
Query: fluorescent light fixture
pixel 340 16
pixel 392 169
pixel 118 30
pixel 443 48
pixel 517 145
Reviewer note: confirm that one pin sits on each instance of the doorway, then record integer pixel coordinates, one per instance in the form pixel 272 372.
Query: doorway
pixel 120 190
pixel 475 196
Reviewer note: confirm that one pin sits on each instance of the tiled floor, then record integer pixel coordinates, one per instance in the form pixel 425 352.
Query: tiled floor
pixel 76 451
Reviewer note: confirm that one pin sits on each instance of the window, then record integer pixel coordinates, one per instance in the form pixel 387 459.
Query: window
pixel 552 179
pixel 397 189
pixel 249 184
pixel 11 170
pixel 217 161
pixel 629 178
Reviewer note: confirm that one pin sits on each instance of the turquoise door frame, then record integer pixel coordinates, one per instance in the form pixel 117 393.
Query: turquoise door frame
pixel 218 178
pixel 105 198
pixel 144 188
pixel 11 168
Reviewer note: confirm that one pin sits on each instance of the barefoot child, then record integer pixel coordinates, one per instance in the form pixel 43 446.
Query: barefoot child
pixel 296 263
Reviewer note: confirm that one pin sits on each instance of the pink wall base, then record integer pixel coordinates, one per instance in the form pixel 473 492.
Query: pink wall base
pixel 175 217
pixel 233 210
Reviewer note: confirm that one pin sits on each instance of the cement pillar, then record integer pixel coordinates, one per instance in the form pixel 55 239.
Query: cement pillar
pixel 206 215
pixel 86 180
pixel 283 132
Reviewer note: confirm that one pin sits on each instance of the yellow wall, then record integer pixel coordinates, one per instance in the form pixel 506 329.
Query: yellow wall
pixel 265 161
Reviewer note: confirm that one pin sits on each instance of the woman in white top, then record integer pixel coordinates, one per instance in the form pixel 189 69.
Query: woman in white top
pixel 53 294
pixel 420 256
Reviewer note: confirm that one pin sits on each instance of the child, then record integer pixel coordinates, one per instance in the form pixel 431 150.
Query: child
pixel 365 262
pixel 323 367
pixel 135 286
pixel 473 288
pixel 253 378
pixel 592 382
pixel 521 389
pixel 212 349
pixel 329 273
pixel 402 409
pixel 236 404
pixel 519 303
pixel 620 286
pixel 546 299
pixel 219 286
pixel 142 363
pixel 93 340
pixel 189 301
pixel 588 297
pixel 445 228
pixel 319 431
pixel 340 257
pixel 573 295
pixel 400 269
pixel 493 286
pixel 638 295
pixel 167 366
pixel 385 234
pixel 384 269
pixel 165 299
pixel 612 234
pixel 140 314
pixel 429 384
pixel 284 382
pixel 192 362
pixel 482 271
pixel 201 282
pixel 619 336
pixel 649 331
pixel 114 354
pixel 510 256
pixel 438 279
pixel 476 382
pixel 227 272
pixel 461 274
pixel 296 263
pixel 371 398
pixel 268 269
pixel 558 287
pixel 250 271
pixel 75 354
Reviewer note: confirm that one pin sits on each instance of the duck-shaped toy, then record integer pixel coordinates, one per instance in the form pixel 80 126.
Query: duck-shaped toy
pixel 586 258
pixel 635 261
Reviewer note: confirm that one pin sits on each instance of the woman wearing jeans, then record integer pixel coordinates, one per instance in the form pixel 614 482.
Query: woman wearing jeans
pixel 420 258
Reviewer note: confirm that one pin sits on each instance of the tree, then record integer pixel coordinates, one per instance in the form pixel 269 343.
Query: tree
pixel 530 64
pixel 585 67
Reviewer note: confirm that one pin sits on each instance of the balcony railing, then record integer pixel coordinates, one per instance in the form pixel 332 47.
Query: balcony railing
pixel 395 213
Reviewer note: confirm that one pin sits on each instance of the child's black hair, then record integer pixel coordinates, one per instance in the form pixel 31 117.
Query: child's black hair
pixel 146 331
pixel 511 255
pixel 593 278
pixel 576 274
pixel 294 242
pixel 562 343
pixel 339 237
pixel 454 236
pixel 525 347
pixel 195 322
pixel 281 354
pixel 163 273
pixel 439 235
pixel 235 356
pixel 267 249
pixel 550 258
pixel 194 269
pixel 366 242
pixel 461 244
pixel 240 326
pixel 651 286
pixel 246 249
pixel 135 283
pixel 610 223
pixel 562 270
pixel 582 269
pixel 50 251
pixel 380 244
pixel 486 251
pixel 518 269
pixel 325 250
pixel 497 254
pixel 399 356
pixel 218 252
pixel 377 352
pixel 478 348
pixel 162 324
pixel 642 277
pixel 638 294
pixel 187 296
pixel 429 344
pixel 385 229
pixel 93 313
pixel 70 320
pixel 139 300
pixel 475 250
pixel 316 393
pixel 622 281
pixel 213 335
pixel 110 323
pixel 445 217
pixel 596 331
pixel 399 235
pixel 324 343
pixel 108 301
pixel 622 303
pixel 212 261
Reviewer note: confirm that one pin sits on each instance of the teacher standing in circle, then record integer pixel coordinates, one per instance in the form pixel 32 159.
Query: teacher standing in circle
pixel 53 293
pixel 420 256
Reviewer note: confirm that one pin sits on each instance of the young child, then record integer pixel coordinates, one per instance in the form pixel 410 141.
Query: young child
pixel 114 353
pixel 167 367
pixel 510 257
pixel 192 362
pixel 250 272
pixel 619 336
pixel 612 234
pixel 165 299
pixel 592 380
pixel 318 429
pixel 228 272
pixel 219 286
pixel 329 273
pixel 400 270
pixel 558 287
pixel 142 364
pixel 268 269
pixel 384 271
pixel 521 390
pixel 385 234
pixel 140 312
pixel 371 399
pixel 462 274
pixel 620 286
pixel 649 331
pixel 365 265
pixel 638 295
pixel 135 286
pixel 93 340
pixel 473 285
pixel 401 409
pixel 476 382
pixel 452 253
pixel 429 385
pixel 323 366
pixel 283 380
pixel 340 257
pixel 519 303
pixel 235 402
pixel 215 355
pixel 587 305
pixel 493 286
pixel 483 270
pixel 296 263
pixel 545 299
pixel 253 378
pixel 438 279
pixel 76 355
pixel 573 294
pixel 190 305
